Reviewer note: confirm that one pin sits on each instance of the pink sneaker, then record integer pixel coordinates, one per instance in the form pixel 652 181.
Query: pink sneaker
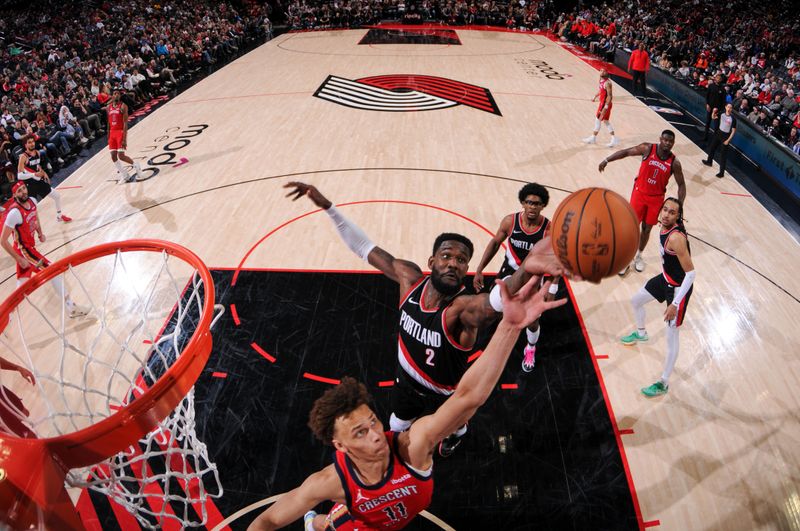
pixel 529 360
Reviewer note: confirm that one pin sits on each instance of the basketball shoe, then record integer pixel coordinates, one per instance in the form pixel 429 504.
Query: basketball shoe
pixel 613 142
pixel 625 270
pixel 634 337
pixel 448 445
pixel 638 264
pixel 657 389
pixel 590 140
pixel 76 310
pixel 529 358
pixel 308 520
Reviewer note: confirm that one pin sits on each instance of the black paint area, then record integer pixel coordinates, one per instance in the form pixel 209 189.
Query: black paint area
pixel 543 456
pixel 410 36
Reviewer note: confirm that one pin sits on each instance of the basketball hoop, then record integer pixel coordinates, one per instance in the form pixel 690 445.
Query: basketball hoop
pixel 113 390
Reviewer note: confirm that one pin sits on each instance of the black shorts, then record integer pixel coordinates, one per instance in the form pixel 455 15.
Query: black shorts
pixel 410 400
pixel 662 291
pixel 37 189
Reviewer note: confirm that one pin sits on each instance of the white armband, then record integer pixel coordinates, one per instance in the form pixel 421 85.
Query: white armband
pixel 684 288
pixel 495 300
pixel 553 289
pixel 355 238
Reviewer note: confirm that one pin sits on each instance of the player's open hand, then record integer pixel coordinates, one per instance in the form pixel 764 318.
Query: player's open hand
pixel 477 282
pixel 25 373
pixel 527 304
pixel 301 189
pixel 543 261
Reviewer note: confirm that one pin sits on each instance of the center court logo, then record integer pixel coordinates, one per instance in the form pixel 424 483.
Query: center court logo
pixel 405 93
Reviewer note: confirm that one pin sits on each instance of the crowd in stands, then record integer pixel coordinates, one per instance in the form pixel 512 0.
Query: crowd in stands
pixel 754 47
pixel 513 14
pixel 61 60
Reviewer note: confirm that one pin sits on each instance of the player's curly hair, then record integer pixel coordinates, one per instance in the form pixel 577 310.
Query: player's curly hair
pixel 452 236
pixel 680 221
pixel 534 189
pixel 334 403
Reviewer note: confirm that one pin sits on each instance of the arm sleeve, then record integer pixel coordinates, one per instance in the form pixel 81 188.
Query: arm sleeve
pixel 13 218
pixel 684 288
pixel 355 238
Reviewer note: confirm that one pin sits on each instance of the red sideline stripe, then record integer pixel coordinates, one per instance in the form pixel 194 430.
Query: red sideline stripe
pixel 219 374
pixel 723 193
pixel 263 352
pixel 235 315
pixel 386 383
pixel 509 386
pixel 601 357
pixel 69 187
pixel 322 379
pixel 611 415
pixel 652 523
pixel 147 342
pixel 628 431
pixel 475 356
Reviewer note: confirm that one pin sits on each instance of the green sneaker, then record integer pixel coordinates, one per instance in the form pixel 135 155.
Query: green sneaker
pixel 633 338
pixel 657 389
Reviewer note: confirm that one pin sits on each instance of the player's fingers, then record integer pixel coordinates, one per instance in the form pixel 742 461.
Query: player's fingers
pixel 525 291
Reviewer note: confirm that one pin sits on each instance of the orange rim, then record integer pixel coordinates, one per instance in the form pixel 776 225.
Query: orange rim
pixel 113 434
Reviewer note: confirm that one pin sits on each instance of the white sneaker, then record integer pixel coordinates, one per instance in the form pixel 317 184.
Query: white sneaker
pixel 613 142
pixel 624 271
pixel 590 140
pixel 138 168
pixel 638 264
pixel 123 177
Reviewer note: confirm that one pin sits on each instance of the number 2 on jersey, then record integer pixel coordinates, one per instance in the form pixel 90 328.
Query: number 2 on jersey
pixel 431 353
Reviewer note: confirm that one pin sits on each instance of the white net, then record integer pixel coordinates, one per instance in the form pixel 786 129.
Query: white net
pixel 142 308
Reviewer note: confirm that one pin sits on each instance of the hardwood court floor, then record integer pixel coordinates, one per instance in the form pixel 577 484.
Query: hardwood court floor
pixel 720 451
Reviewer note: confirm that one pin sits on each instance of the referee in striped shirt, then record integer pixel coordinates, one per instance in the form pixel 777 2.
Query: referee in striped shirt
pixel 726 128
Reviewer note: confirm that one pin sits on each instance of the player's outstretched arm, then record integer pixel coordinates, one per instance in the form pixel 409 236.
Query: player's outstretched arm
pixel 677 170
pixel 403 272
pixel 520 309
pixel 483 308
pixel 491 249
pixel 640 150
pixel 317 488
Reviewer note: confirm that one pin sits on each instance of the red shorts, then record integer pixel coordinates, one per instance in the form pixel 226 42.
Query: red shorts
pixel 606 115
pixel 115 140
pixel 32 255
pixel 646 207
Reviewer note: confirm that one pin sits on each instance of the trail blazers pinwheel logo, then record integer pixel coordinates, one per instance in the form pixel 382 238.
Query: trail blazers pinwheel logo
pixel 405 93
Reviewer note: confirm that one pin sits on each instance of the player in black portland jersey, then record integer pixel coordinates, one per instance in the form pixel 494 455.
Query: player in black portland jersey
pixel 438 322
pixel 674 286
pixel 521 231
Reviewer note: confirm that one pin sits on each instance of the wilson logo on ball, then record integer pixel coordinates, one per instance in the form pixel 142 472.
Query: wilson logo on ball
pixel 594 249
pixel 405 93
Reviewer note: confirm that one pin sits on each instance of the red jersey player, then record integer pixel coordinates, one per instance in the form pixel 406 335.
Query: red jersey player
pixel 603 114
pixel 118 137
pixel 22 222
pixel 382 480
pixel 650 185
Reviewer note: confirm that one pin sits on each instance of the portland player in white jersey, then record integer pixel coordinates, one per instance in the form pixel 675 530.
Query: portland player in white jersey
pixel 438 323
pixel 521 231
pixel 674 286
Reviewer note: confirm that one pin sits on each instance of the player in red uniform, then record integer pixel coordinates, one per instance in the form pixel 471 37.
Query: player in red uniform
pixel 30 171
pixel 22 222
pixel 381 480
pixel 118 137
pixel 650 185
pixel 603 114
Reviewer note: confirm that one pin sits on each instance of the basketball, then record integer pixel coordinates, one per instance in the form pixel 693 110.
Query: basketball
pixel 595 233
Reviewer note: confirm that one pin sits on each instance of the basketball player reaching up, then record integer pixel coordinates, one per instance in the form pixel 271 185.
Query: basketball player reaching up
pixel 650 185
pixel 31 173
pixel 22 221
pixel 439 322
pixel 382 480
pixel 118 138
pixel 522 230
pixel 674 286
pixel 603 114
